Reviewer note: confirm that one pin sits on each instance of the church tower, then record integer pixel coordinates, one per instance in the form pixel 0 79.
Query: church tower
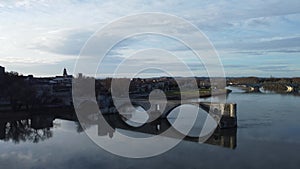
pixel 65 74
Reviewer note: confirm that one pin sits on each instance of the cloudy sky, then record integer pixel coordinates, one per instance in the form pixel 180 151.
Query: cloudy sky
pixel 252 38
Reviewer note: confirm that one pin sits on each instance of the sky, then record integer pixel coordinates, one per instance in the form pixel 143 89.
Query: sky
pixel 252 38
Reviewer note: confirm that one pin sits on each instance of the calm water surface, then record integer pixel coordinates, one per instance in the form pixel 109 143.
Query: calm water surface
pixel 268 136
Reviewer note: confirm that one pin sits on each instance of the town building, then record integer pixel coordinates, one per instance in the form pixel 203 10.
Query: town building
pixel 2 72
pixel 56 90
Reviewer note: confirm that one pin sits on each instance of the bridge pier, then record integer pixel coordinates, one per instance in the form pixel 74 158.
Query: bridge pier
pixel 225 113
pixel 228 116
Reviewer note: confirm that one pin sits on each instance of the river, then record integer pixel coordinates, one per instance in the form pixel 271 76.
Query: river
pixel 267 137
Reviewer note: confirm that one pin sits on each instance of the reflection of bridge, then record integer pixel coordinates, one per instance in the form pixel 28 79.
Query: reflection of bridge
pixel 220 137
pixel 23 125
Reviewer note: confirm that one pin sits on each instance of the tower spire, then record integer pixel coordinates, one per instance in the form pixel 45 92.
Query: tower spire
pixel 65 72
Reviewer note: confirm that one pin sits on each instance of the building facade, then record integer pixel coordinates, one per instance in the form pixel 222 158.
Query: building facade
pixel 2 71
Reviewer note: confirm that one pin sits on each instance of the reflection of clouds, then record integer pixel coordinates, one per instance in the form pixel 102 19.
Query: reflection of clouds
pixel 18 159
pixel 68 149
pixel 257 154
pixel 19 155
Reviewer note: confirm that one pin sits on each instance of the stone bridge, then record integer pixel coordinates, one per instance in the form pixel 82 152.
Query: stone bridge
pixel 223 113
pixel 257 88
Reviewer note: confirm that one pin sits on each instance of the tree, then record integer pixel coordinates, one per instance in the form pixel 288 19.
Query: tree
pixel 18 91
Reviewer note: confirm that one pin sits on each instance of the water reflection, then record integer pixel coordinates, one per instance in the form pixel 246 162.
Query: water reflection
pixel 221 137
pixel 37 127
pixel 267 136
pixel 135 116
pixel 33 129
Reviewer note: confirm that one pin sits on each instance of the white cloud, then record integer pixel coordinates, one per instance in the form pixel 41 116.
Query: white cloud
pixel 52 32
